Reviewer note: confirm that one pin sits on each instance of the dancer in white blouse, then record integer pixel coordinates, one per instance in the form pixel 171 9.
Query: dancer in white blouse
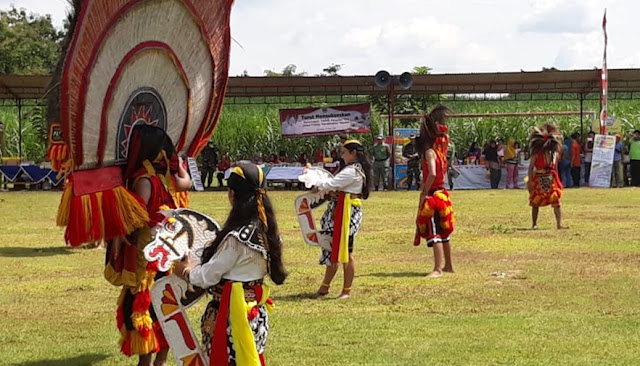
pixel 343 216
pixel 236 321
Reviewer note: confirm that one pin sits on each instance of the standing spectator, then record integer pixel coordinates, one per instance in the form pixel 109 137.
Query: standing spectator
pixel 512 159
pixel 410 152
pixel 565 164
pixel 501 150
pixel 381 155
pixel 634 156
pixel 576 160
pixel 334 159
pixel 318 156
pixel 474 153
pixel 209 164
pixel 452 173
pixel 223 165
pixel 588 156
pixel 616 174
pixel 343 138
pixel 493 163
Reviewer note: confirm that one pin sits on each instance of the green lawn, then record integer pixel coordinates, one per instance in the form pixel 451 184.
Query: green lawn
pixel 519 297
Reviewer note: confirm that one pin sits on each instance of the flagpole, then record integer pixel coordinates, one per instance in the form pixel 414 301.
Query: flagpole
pixel 604 79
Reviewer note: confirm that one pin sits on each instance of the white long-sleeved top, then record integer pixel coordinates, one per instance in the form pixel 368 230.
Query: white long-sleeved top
pixel 233 261
pixel 349 179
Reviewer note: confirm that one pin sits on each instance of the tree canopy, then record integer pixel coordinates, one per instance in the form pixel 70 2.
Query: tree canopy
pixel 29 43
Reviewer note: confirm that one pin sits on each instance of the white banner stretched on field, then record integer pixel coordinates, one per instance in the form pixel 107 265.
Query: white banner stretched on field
pixel 602 162
pixel 326 121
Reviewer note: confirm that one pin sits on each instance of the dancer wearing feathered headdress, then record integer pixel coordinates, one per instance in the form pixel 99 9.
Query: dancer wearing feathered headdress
pixel 544 185
pixel 435 219
pixel 139 82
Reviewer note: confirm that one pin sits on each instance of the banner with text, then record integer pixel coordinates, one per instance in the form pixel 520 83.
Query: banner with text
pixel 326 121
pixel 602 162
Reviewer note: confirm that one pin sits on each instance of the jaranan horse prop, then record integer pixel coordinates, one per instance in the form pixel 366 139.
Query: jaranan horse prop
pixel 182 233
pixel 306 203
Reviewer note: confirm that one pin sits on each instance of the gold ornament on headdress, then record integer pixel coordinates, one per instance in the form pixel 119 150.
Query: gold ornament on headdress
pixel 352 142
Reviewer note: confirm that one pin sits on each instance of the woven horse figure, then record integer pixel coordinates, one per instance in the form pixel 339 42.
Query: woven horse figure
pixel 309 201
pixel 182 233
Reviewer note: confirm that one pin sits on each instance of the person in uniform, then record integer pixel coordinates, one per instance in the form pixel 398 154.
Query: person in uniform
pixel 381 155
pixel 410 152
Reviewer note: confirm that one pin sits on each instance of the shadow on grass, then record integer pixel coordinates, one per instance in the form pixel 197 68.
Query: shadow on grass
pixel 296 297
pixel 397 274
pixel 82 360
pixel 22 252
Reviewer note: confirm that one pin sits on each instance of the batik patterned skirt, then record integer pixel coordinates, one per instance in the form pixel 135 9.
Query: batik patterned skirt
pixel 327 227
pixel 258 320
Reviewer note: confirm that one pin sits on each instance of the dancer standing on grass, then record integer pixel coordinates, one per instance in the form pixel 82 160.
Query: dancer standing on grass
pixel 435 211
pixel 343 216
pixel 155 174
pixel 544 185
pixel 235 324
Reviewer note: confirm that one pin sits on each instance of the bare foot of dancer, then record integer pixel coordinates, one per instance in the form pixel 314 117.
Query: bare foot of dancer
pixel 534 227
pixel 435 274
pixel 448 269
pixel 323 290
pixel 346 293
pixel 560 227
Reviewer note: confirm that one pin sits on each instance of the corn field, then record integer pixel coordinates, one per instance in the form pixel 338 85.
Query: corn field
pixel 34 132
pixel 246 130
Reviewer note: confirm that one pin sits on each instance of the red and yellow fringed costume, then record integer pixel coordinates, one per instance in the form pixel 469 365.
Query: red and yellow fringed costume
pixel 435 217
pixel 95 205
pixel 140 333
pixel 545 187
pixel 58 151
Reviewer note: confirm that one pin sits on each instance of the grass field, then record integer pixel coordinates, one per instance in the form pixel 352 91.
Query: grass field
pixel 519 297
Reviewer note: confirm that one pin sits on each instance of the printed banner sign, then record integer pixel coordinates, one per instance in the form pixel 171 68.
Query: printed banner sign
pixel 196 177
pixel 401 138
pixel 602 162
pixel 326 121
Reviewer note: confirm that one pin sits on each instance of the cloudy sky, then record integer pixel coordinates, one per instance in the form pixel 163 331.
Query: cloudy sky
pixel 449 36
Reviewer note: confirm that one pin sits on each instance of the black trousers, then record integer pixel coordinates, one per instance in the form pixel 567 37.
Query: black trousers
pixel 495 176
pixel 207 176
pixel 413 174
pixel 634 166
pixel 587 173
pixel 575 176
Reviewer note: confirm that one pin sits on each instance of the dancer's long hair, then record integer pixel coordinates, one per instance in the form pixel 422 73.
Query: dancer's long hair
pixel 362 159
pixel 146 143
pixel 251 204
pixel 429 130
pixel 547 140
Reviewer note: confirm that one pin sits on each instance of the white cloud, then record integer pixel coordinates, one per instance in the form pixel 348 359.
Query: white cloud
pixel 584 52
pixel 449 36
pixel 558 16
pixel 57 8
